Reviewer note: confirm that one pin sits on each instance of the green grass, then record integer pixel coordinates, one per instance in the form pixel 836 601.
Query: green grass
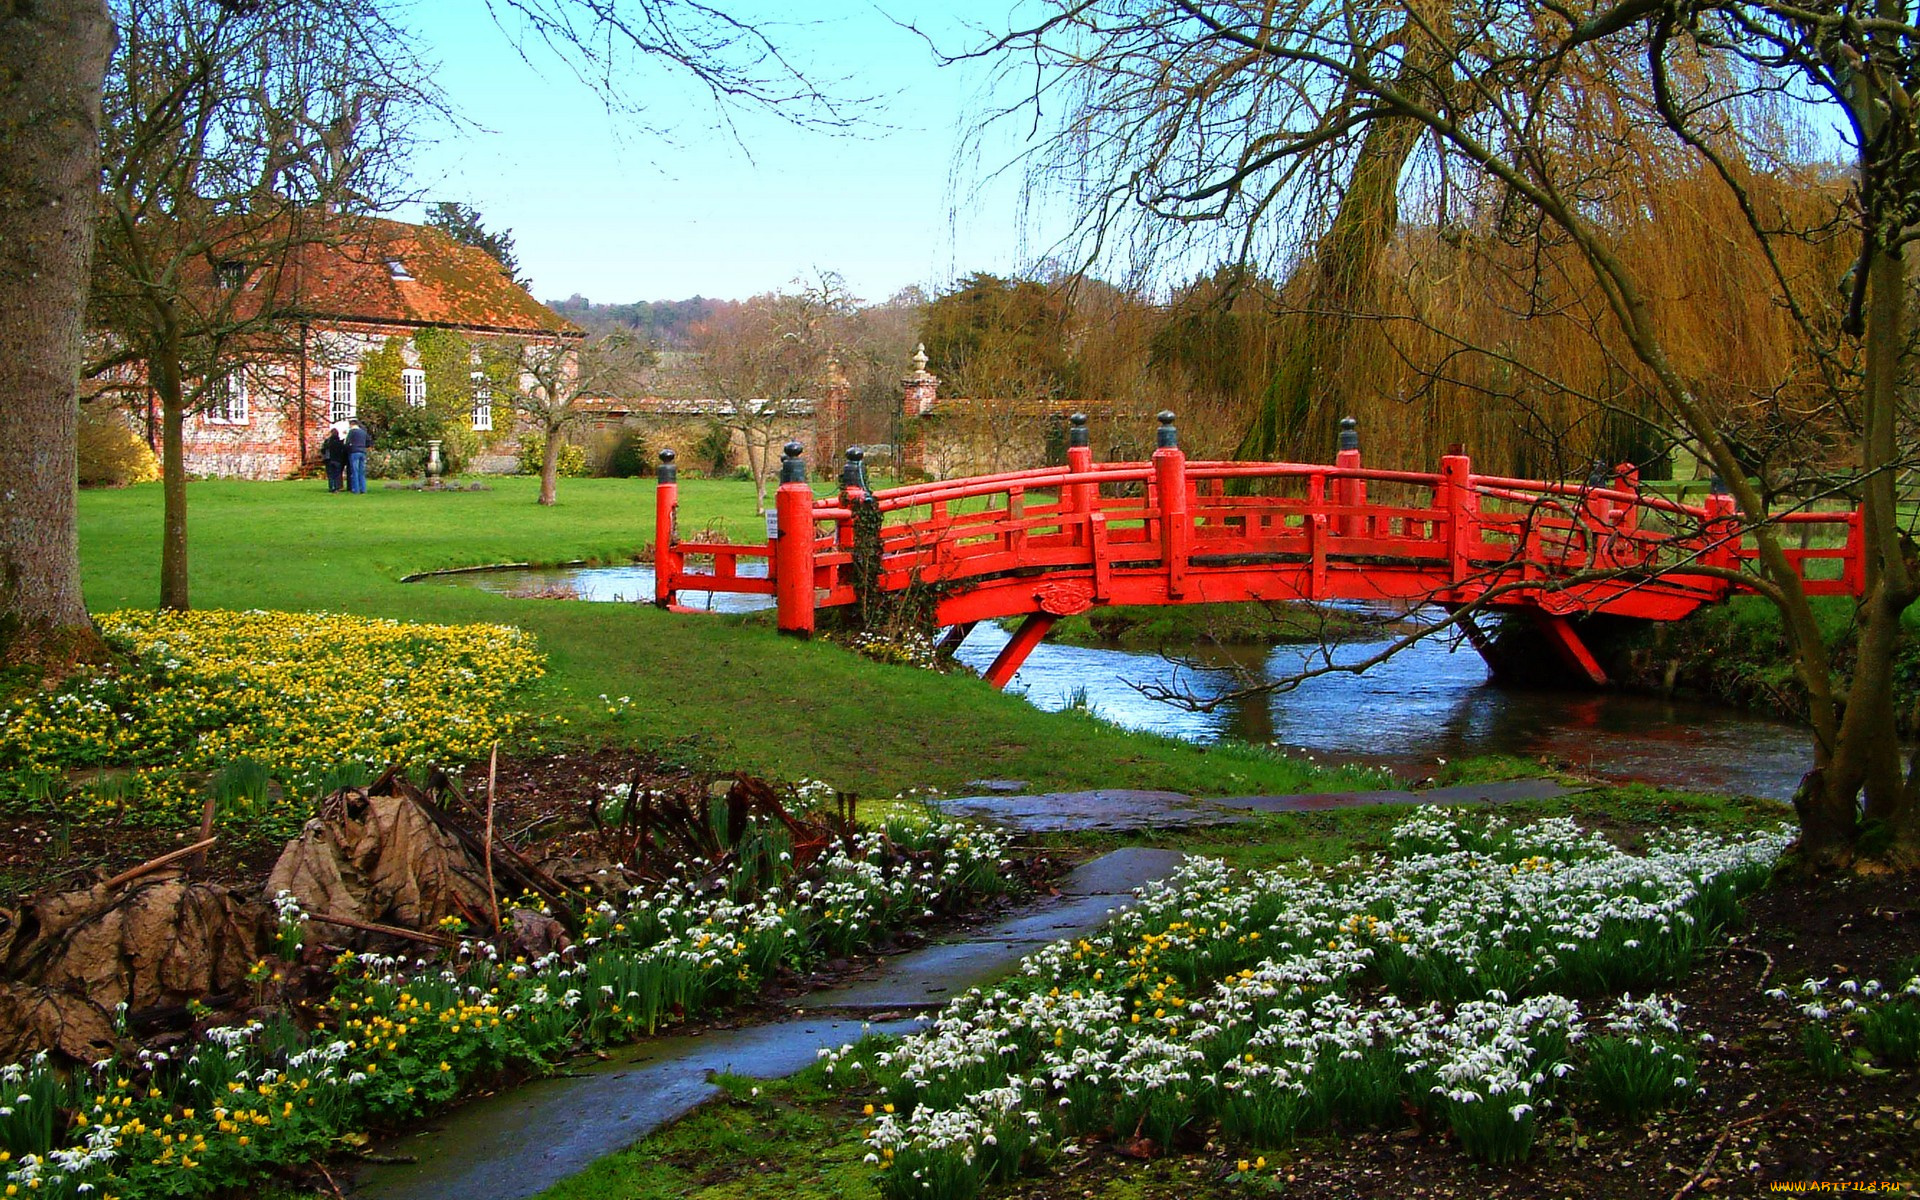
pixel 716 692
pixel 794 1139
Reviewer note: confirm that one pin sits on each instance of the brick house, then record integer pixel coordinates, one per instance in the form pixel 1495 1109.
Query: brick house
pixel 380 286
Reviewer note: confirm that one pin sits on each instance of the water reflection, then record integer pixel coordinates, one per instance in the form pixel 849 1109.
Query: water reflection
pixel 1433 701
pixel 633 583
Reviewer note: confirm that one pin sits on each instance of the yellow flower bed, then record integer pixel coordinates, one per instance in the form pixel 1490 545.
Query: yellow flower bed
pixel 300 693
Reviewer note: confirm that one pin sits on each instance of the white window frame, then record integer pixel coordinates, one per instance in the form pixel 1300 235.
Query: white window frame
pixel 230 405
pixel 483 409
pixel 413 387
pixel 343 394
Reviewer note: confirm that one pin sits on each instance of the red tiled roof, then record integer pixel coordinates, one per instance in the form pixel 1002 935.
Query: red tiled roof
pixel 351 278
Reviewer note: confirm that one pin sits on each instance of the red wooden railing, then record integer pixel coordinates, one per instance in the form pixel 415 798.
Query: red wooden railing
pixel 1054 541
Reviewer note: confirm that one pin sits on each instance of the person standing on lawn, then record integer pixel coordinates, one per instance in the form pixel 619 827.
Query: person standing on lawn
pixel 333 453
pixel 359 441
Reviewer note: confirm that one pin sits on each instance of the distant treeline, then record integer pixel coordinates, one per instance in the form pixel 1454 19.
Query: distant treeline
pixel 664 323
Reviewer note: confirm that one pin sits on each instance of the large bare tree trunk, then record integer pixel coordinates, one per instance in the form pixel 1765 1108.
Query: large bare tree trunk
pixel 1339 281
pixel 53 56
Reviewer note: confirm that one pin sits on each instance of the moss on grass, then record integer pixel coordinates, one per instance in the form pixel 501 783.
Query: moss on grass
pixel 788 1137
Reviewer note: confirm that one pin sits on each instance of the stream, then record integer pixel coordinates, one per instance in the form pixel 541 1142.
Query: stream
pixel 1430 703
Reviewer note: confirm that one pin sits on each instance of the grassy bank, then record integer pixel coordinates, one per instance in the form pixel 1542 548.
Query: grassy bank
pixel 709 691
pixel 1735 654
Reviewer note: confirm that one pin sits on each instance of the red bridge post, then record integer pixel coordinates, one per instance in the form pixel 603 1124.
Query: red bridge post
pixel 1722 533
pixel 1176 528
pixel 667 558
pixel 853 478
pixel 1079 496
pixel 1457 503
pixel 1349 494
pixel 793 547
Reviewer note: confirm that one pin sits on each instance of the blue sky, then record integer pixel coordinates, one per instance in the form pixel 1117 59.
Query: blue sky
pixel 601 208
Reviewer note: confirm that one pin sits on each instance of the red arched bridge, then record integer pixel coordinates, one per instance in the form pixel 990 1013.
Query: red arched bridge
pixel 1055 541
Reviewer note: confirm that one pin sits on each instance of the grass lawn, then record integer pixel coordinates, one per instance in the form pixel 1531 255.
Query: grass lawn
pixel 720 692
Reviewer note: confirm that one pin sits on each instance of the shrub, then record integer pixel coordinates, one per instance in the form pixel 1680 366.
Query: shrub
pixel 403 462
pixel 111 454
pixel 627 459
pixel 533 449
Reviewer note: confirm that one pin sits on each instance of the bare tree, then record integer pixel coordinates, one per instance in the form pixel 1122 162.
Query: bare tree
pixel 766 358
pixel 544 383
pixel 235 138
pixel 619 47
pixel 1556 121
pixel 52 57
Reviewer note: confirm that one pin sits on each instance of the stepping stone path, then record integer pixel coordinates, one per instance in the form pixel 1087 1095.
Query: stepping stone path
pixel 523 1141
pixel 1121 810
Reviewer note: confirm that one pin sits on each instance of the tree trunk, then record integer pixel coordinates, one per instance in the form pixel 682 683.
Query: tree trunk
pixel 53 56
pixel 1869 746
pixel 165 380
pixel 1339 280
pixel 550 469
pixel 757 467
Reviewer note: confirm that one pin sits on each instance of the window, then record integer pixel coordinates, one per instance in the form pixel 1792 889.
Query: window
pixel 398 269
pixel 230 274
pixel 229 405
pixel 413 386
pixel 344 392
pixel 483 409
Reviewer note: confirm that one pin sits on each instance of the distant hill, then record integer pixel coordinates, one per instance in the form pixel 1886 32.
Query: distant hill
pixel 663 323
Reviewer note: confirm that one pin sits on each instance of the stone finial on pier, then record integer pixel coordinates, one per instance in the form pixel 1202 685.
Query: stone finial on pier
pixel 793 468
pixel 669 469
pixel 1166 437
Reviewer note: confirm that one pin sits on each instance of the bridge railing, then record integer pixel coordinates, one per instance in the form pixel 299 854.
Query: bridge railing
pixel 1169 531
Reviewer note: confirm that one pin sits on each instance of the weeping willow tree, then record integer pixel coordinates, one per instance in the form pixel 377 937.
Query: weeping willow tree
pixel 1415 291
pixel 1637 248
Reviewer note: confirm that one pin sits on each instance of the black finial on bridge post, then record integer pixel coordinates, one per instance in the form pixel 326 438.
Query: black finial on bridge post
pixel 1167 437
pixel 854 474
pixel 793 468
pixel 1077 430
pixel 1599 475
pixel 1349 434
pixel 1717 486
pixel 669 470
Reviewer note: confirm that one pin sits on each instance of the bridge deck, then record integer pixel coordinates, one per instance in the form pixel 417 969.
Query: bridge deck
pixel 1055 541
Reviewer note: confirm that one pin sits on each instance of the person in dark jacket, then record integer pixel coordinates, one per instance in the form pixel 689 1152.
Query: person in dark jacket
pixel 333 453
pixel 359 441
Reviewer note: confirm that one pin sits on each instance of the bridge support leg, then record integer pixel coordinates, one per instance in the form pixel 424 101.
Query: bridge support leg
pixel 1566 643
pixel 949 644
pixel 1031 633
pixel 1477 636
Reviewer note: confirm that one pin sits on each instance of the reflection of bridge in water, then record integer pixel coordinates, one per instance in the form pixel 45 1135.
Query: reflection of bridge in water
pixel 1052 542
